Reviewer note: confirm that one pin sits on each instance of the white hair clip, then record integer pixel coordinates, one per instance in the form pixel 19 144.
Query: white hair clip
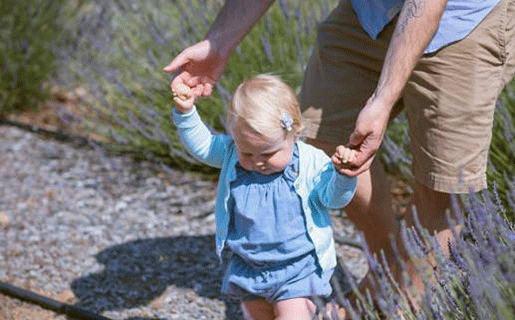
pixel 286 121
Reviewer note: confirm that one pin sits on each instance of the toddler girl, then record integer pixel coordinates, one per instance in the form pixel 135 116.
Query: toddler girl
pixel 274 196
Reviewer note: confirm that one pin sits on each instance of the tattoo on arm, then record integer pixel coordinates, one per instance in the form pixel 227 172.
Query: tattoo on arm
pixel 412 9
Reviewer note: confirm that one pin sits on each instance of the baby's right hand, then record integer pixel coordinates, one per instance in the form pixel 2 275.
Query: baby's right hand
pixel 183 97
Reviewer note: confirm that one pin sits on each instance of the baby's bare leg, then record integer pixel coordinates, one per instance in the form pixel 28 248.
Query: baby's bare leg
pixel 295 309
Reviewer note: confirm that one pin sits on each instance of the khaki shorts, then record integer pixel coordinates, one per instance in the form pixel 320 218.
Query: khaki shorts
pixel 449 99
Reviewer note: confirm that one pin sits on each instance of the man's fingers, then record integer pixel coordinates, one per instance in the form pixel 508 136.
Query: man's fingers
pixel 346 155
pixel 362 155
pixel 173 66
pixel 198 89
pixel 353 171
pixel 365 146
pixel 176 63
pixel 207 90
pixel 180 80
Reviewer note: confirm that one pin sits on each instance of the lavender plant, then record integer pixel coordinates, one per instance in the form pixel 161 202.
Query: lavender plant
pixel 117 49
pixel 477 281
pixel 122 45
pixel 27 56
pixel 501 168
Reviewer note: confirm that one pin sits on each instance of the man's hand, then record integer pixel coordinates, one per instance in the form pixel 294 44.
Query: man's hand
pixel 416 25
pixel 366 138
pixel 199 67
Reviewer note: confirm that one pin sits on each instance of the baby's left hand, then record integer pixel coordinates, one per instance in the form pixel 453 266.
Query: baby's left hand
pixel 343 157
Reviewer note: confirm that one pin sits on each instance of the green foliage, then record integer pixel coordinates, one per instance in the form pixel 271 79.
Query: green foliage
pixel 28 29
pixel 395 153
pixel 122 46
pixel 501 166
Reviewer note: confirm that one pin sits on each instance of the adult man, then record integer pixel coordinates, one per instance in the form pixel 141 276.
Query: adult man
pixel 445 61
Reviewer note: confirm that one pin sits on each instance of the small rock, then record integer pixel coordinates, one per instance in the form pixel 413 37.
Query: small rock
pixel 66 296
pixel 4 219
pixel 158 303
pixel 50 152
pixel 120 205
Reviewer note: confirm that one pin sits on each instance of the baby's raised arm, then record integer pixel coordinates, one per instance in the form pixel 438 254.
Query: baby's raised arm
pixel 183 97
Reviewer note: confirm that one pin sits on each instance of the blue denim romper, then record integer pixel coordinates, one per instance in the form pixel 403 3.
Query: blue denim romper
pixel 272 257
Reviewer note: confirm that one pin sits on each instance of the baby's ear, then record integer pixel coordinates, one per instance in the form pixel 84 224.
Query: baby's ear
pixel 299 130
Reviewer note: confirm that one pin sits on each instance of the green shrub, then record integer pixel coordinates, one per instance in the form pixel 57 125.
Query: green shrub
pixel 122 46
pixel 501 166
pixel 28 30
pixel 119 48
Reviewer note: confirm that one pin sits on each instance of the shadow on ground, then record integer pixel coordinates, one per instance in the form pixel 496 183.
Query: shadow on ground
pixel 138 272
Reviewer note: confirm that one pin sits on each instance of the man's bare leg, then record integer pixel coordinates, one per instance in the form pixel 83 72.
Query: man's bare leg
pixel 431 207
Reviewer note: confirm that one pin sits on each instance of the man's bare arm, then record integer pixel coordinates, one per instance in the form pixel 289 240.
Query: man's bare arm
pixel 234 20
pixel 417 23
pixel 201 65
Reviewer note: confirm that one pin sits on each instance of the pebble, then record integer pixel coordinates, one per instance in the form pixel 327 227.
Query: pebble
pixel 4 219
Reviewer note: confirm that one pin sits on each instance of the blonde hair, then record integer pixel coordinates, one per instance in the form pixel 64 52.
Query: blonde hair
pixel 267 105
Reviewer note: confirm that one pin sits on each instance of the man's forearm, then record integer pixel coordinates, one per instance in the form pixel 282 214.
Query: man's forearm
pixel 234 20
pixel 416 25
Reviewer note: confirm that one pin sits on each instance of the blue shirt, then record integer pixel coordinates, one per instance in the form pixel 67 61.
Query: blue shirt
pixel 267 221
pixel 318 185
pixel 458 20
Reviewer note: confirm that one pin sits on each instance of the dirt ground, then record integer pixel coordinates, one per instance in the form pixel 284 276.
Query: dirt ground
pixel 14 309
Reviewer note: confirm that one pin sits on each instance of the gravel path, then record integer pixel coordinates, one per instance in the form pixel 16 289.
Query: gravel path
pixel 117 237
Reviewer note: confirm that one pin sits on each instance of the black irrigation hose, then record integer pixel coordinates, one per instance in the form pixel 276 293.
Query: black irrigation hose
pixel 47 303
pixel 56 134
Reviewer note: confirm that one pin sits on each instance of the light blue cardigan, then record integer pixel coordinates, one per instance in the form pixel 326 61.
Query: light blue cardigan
pixel 319 186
